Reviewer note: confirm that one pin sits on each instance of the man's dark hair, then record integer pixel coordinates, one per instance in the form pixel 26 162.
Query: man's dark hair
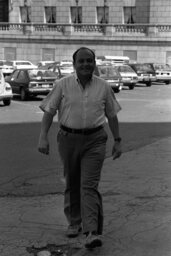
pixel 82 48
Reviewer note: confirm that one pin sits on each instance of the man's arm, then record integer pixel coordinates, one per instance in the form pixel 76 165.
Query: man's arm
pixel 43 145
pixel 114 127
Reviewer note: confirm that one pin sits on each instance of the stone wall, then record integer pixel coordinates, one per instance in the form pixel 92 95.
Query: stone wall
pixel 151 47
pixel 34 50
pixel 88 8
pixel 160 11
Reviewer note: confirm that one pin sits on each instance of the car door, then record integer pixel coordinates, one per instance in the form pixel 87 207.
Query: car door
pixel 22 81
pixel 12 79
pixel 57 71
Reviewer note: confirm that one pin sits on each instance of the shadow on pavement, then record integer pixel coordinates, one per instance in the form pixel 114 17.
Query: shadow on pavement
pixel 26 172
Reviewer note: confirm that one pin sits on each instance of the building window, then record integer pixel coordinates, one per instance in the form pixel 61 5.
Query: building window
pixel 76 14
pixel 168 57
pixel 103 14
pixel 50 14
pixel 10 53
pixel 131 54
pixel 48 54
pixel 4 11
pixel 25 13
pixel 129 15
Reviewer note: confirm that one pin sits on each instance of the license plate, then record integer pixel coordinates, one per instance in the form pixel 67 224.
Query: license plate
pixel 45 85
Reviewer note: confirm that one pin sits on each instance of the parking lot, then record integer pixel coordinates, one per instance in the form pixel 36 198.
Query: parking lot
pixel 145 118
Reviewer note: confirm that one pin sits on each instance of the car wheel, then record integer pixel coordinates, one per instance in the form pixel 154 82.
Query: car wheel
pixel 7 102
pixel 167 82
pixel 23 94
pixel 148 84
pixel 116 90
pixel 131 87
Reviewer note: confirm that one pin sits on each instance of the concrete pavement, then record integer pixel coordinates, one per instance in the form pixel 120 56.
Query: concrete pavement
pixel 136 193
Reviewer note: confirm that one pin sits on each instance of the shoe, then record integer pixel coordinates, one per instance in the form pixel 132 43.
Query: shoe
pixel 92 241
pixel 73 230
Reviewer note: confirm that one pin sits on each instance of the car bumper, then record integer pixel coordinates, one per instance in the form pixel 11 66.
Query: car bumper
pixel 36 91
pixel 147 79
pixel 7 72
pixel 116 86
pixel 130 82
pixel 163 78
pixel 7 96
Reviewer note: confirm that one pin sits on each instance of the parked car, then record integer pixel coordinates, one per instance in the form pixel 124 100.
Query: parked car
pixel 113 59
pixel 66 62
pixel 44 63
pixel 61 70
pixel 111 75
pixel 10 65
pixel 20 64
pixel 5 91
pixel 145 71
pixel 31 82
pixel 7 68
pixel 129 76
pixel 2 63
pixel 163 72
pixel 66 70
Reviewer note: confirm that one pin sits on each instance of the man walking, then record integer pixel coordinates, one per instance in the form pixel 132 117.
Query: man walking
pixel 83 102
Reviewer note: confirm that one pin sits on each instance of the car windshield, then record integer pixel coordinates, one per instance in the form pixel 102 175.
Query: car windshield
pixel 162 66
pixel 2 62
pixel 66 69
pixel 144 67
pixel 106 71
pixel 43 63
pixel 1 75
pixel 125 69
pixel 37 73
pixel 66 63
pixel 112 72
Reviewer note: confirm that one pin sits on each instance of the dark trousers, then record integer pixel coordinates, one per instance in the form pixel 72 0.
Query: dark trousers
pixel 83 157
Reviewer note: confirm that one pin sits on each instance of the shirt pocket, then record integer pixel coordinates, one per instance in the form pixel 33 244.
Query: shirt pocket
pixel 97 107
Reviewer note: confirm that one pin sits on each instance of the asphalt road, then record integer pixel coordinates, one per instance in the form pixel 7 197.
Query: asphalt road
pixel 145 118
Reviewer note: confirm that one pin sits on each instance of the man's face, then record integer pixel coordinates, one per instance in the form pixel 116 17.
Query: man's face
pixel 84 63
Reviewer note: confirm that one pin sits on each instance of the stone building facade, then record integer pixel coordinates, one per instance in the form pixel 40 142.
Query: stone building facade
pixel 52 29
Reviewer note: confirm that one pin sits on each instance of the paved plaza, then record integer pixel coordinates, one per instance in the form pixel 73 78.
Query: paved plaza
pixel 137 206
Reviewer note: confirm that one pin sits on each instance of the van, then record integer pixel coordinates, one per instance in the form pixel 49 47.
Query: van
pixel 129 76
pixel 145 71
pixel 113 59
pixel 5 90
pixel 111 75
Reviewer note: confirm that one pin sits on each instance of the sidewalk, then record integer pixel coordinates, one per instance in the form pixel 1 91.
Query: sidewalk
pixel 137 206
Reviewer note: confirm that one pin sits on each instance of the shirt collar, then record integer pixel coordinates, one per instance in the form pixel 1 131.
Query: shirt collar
pixel 78 81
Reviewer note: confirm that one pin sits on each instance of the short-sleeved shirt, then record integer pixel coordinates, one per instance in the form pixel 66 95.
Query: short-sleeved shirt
pixel 81 108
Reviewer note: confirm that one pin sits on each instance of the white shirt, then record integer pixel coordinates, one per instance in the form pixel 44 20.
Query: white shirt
pixel 81 108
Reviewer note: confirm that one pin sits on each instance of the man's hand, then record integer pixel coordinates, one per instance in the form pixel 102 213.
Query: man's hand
pixel 117 150
pixel 43 146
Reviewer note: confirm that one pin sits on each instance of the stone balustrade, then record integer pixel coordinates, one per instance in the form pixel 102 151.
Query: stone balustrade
pixel 86 29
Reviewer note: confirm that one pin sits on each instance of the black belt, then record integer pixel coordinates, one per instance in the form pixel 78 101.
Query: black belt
pixel 85 131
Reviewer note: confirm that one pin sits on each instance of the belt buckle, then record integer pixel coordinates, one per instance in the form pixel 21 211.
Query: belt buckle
pixel 83 131
pixel 86 131
pixel 72 131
